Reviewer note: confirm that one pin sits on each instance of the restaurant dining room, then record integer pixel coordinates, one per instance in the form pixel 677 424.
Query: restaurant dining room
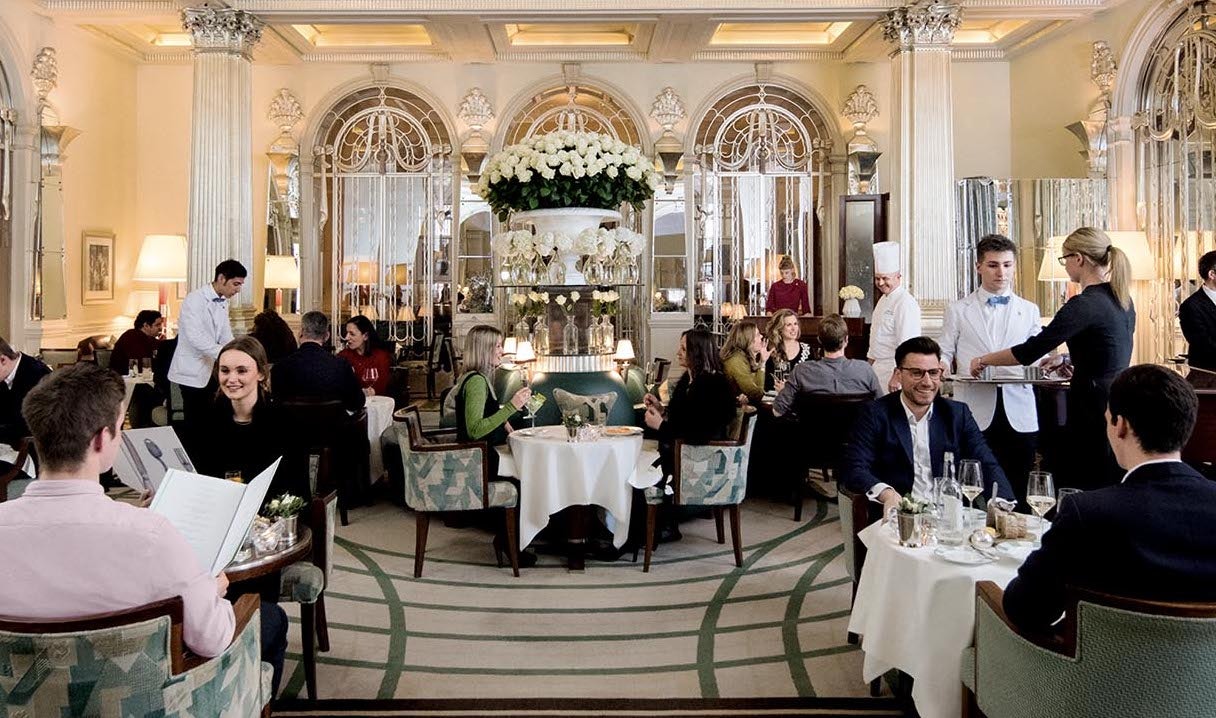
pixel 686 358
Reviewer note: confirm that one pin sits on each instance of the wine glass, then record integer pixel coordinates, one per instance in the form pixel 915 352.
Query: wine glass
pixel 1063 493
pixel 971 479
pixel 1041 495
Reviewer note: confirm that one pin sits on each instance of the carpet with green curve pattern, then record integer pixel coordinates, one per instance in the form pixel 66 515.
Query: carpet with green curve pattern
pixel 695 634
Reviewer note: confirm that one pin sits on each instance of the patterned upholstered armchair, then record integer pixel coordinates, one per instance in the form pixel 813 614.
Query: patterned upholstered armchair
pixel 1115 656
pixel 451 477
pixel 304 582
pixel 130 663
pixel 713 474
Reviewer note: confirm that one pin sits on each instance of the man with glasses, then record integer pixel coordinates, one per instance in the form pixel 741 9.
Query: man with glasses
pixel 898 442
pixel 896 315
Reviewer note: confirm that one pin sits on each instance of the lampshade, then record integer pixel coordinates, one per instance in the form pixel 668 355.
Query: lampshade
pixel 1135 245
pixel 508 346
pixel 141 299
pixel 162 258
pixel 405 313
pixel 524 353
pixel 624 351
pixel 727 309
pixel 1050 269
pixel 281 272
pixel 739 313
pixel 369 311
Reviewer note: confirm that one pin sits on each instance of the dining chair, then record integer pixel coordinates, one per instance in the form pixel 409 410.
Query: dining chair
pixel 1114 656
pixel 657 372
pixel 314 425
pixel 451 476
pixel 131 661
pixel 102 357
pixel 1200 449
pixel 714 475
pixel 58 358
pixel 304 582
pixel 827 421
pixel 14 481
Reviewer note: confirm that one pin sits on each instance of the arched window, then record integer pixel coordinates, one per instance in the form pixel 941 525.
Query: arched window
pixel 577 108
pixel 385 184
pixel 761 182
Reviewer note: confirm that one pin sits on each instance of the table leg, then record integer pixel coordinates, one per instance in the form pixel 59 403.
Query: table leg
pixel 576 539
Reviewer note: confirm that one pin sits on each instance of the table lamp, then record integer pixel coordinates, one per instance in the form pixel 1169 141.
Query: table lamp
pixel 162 259
pixel 624 354
pixel 738 314
pixel 1050 269
pixel 406 314
pixel 1135 246
pixel 281 273
pixel 524 355
pixel 509 346
pixel 141 299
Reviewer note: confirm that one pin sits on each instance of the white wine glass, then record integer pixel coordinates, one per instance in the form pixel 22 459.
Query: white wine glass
pixel 1041 495
pixel 971 479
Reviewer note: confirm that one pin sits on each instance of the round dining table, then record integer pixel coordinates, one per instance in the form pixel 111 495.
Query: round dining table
pixel 379 418
pixel 270 562
pixel 555 473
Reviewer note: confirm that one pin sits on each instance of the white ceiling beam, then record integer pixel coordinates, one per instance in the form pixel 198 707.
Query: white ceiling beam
pixel 463 39
pixel 677 39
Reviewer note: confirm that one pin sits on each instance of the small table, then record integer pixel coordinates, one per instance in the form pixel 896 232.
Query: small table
pixel 555 474
pixel 379 418
pixel 269 563
pixel 916 612
pixel 130 383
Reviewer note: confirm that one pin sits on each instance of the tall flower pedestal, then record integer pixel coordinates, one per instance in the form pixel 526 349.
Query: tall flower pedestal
pixel 568 221
pixel 852 308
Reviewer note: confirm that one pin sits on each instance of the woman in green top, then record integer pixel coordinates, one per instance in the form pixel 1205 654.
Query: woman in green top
pixel 743 357
pixel 479 416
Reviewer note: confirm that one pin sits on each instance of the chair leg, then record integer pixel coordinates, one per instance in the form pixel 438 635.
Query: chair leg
pixel 651 510
pixel 308 631
pixel 322 625
pixel 735 537
pixel 512 539
pixel 342 512
pixel 798 498
pixel 718 524
pixel 422 522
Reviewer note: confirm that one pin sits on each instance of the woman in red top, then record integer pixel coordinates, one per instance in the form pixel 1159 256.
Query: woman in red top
pixel 789 292
pixel 363 351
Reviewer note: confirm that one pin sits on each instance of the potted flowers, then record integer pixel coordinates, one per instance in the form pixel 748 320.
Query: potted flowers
pixel 850 294
pixel 574 422
pixel 284 510
pixel 909 515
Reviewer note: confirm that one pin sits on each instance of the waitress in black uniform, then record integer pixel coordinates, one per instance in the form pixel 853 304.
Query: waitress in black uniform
pixel 1098 325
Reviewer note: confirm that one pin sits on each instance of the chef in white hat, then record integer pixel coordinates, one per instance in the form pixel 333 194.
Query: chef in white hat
pixel 896 315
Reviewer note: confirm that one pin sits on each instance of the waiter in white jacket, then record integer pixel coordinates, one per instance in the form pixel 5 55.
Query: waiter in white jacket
pixel 896 316
pixel 203 329
pixel 987 320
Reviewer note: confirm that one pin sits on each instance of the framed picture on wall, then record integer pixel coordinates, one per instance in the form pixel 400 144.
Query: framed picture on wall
pixel 97 270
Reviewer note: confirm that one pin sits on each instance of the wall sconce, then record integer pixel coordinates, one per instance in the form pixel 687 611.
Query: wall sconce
pixel 623 355
pixel 475 111
pixel 670 152
pixel 473 151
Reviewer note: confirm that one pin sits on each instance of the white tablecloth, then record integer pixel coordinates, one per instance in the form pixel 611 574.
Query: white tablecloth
pixel 379 418
pixel 554 473
pixel 130 382
pixel 8 454
pixel 916 612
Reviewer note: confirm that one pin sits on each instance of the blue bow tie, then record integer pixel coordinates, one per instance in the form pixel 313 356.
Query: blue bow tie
pixel 993 301
pixel 219 299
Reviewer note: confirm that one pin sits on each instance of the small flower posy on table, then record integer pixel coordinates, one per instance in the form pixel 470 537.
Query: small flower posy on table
pixel 910 505
pixel 285 506
pixel 852 291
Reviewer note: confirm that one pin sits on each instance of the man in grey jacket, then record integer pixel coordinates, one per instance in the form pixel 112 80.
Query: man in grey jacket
pixel 833 374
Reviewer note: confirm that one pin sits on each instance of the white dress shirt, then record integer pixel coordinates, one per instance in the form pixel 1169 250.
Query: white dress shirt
pixel 202 330
pixel 896 319
pixel 922 460
pixel 13 374
pixel 1170 460
pixel 1210 292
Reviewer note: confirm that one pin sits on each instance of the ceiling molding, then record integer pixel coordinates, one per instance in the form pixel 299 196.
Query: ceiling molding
pixel 160 7
pixel 977 54
pixel 1025 43
pixel 769 54
pixel 558 54
pixel 183 56
pixel 366 57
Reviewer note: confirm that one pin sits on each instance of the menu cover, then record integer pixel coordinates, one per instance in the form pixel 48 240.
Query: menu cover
pixel 147 454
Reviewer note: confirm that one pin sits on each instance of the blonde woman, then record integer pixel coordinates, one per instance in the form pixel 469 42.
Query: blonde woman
pixel 479 416
pixel 1098 325
pixel 744 355
pixel 788 293
pixel 784 334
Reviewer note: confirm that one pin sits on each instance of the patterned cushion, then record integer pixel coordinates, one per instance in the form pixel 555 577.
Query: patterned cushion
pixel 503 494
pixel 267 679
pixel 712 475
pixel 968 667
pixel 595 408
pixel 301 582
pixel 441 480
pixel 654 494
pixel 16 487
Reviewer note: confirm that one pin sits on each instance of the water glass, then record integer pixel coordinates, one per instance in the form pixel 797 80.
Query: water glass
pixel 132 367
pixel 1064 492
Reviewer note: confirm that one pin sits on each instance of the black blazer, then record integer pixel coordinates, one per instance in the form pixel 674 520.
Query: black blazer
pixel 1197 314
pixel 311 372
pixel 1149 537
pixel 30 371
pixel 880 450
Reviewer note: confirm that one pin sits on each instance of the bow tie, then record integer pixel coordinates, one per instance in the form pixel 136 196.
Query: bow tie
pixel 993 301
pixel 218 299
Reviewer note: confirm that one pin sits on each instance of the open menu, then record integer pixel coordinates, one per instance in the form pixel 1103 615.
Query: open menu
pixel 212 514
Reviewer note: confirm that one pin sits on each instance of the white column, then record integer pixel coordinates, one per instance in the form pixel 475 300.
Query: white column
pixel 221 153
pixel 923 135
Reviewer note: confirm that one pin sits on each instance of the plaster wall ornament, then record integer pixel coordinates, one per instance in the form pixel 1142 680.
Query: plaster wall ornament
pixel 45 75
pixel 571 72
pixel 221 29
pixel 1102 67
pixel 475 110
pixel 379 72
pixel 860 107
pixel 764 72
pixel 668 109
pixel 921 23
pixel 285 111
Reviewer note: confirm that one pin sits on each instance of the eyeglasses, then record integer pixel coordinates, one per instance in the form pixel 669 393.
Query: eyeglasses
pixel 918 374
pixel 1064 259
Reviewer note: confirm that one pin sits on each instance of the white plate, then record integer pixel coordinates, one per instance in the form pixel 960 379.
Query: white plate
pixel 1017 550
pixel 619 431
pixel 960 554
pixel 526 432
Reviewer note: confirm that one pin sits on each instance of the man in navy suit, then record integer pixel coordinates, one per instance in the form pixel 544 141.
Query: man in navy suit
pixel 1198 317
pixel 313 373
pixel 898 442
pixel 18 374
pixel 1149 536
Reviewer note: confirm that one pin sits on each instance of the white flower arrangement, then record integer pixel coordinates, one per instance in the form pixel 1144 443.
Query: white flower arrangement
pixel 522 244
pixel 852 292
pixel 285 506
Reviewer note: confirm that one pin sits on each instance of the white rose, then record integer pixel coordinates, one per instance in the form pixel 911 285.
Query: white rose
pixel 544 297
pixel 612 171
pixel 579 172
pixel 563 242
pixel 561 300
pixel 524 175
pixel 633 172
pixel 566 169
pixel 574 296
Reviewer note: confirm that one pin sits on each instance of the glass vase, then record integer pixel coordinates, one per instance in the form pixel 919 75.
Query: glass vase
pixel 607 334
pixel 593 337
pixel 540 337
pixel 521 330
pixel 570 336
pixel 557 272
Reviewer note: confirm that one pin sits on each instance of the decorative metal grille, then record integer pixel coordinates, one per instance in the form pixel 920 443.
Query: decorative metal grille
pixel 576 108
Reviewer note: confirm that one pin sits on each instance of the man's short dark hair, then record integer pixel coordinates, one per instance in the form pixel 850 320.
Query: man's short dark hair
pixel 833 331
pixel 230 269
pixel 7 351
pixel 314 325
pixel 995 243
pixel 1158 404
pixel 1207 263
pixel 917 345
pixel 146 317
pixel 66 410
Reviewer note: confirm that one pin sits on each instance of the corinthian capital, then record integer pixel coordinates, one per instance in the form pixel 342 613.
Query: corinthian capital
pixel 920 23
pixel 222 29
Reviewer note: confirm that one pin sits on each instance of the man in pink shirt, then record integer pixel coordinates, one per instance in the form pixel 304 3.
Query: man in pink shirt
pixel 68 550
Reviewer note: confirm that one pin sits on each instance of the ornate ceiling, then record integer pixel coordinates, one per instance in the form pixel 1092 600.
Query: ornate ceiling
pixel 301 31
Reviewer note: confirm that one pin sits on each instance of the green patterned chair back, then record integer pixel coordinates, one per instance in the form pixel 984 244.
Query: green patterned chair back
pixel 595 408
pixel 635 384
pixel 441 477
pixel 714 474
pixel 128 664
pixel 1118 657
